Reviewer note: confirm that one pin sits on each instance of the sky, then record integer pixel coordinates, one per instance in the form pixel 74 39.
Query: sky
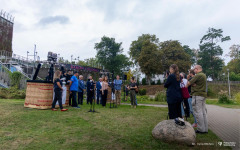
pixel 72 27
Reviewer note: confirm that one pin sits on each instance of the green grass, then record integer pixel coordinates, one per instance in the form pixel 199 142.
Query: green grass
pixel 121 128
pixel 215 102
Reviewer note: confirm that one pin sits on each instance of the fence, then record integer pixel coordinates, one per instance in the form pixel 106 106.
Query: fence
pixel 223 82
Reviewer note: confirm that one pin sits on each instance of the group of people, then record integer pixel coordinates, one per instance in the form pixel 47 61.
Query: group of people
pixel 195 83
pixel 77 87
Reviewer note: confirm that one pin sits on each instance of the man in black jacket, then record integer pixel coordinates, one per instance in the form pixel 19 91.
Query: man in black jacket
pixel 90 90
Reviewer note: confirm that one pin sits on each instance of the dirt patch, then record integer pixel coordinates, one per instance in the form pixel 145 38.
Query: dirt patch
pixel 152 89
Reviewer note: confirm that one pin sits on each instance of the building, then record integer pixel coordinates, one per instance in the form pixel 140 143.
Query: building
pixel 6 34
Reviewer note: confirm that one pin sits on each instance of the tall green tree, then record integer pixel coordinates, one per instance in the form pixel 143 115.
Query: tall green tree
pixel 109 55
pixel 173 53
pixel 234 51
pixel 191 53
pixel 149 60
pixel 210 52
pixel 136 46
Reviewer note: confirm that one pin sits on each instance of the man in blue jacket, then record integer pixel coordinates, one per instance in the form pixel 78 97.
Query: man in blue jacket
pixel 99 87
pixel 81 88
pixel 74 89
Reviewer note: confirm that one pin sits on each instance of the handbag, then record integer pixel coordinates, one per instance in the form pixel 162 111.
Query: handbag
pixel 185 93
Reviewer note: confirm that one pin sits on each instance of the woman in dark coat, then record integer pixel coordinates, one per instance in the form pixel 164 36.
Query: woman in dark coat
pixel 174 96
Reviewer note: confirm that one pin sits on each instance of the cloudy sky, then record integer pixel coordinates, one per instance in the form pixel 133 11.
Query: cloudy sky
pixel 73 26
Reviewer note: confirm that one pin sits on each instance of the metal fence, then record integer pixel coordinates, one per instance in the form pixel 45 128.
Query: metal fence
pixel 223 82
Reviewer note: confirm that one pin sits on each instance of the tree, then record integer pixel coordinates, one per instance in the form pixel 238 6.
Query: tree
pixel 61 60
pixel 210 52
pixel 234 51
pixel 173 53
pixel 81 63
pixel 233 66
pixel 109 55
pixel 136 46
pixel 191 53
pixel 149 60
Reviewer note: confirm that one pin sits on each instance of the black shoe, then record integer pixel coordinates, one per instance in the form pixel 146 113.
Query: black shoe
pixel 200 132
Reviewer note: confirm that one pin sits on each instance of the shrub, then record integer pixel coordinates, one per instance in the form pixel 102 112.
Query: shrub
pixel 144 98
pixel 153 83
pixel 161 96
pixel 12 93
pixel 144 82
pixel 142 91
pixel 15 79
pixel 223 98
pixel 210 93
pixel 237 98
pixel 159 82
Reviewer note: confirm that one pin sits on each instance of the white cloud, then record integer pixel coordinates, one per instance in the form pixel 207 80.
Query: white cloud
pixel 88 20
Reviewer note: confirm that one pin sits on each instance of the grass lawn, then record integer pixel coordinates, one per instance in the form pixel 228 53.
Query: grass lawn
pixel 215 102
pixel 119 128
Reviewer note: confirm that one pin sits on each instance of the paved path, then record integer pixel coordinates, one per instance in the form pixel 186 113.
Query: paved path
pixel 224 122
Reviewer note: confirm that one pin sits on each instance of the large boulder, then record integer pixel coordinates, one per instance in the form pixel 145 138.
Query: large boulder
pixel 168 131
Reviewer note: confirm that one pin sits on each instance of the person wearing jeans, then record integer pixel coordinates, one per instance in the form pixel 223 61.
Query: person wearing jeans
pixel 98 87
pixel 199 95
pixel 117 87
pixel 191 111
pixel 81 88
pixel 191 74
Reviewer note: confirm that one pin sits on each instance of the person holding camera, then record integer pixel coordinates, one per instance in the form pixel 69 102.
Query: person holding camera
pixel 199 95
pixel 174 95
pixel 58 91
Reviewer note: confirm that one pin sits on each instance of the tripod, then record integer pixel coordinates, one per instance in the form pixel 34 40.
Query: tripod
pixel 92 102
pixel 111 101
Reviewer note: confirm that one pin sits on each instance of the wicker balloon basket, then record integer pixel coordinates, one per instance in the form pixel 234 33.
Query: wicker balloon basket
pixel 39 95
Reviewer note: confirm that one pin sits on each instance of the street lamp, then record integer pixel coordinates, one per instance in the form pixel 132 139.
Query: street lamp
pixel 229 91
pixel 27 61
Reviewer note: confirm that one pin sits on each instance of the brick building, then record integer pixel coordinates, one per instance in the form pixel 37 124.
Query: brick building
pixel 6 34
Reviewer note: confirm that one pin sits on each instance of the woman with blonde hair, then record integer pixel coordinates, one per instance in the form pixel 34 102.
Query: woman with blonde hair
pixel 104 91
pixel 58 91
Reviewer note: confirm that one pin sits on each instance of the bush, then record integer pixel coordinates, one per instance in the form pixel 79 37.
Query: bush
pixel 144 98
pixel 223 98
pixel 12 93
pixel 15 79
pixel 159 82
pixel 234 77
pixel 144 82
pixel 142 91
pixel 210 93
pixel 161 96
pixel 153 83
pixel 237 98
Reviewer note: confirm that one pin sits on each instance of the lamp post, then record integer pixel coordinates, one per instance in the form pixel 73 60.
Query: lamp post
pixel 229 91
pixel 27 61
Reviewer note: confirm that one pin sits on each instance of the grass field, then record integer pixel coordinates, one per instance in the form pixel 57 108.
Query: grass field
pixel 118 128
